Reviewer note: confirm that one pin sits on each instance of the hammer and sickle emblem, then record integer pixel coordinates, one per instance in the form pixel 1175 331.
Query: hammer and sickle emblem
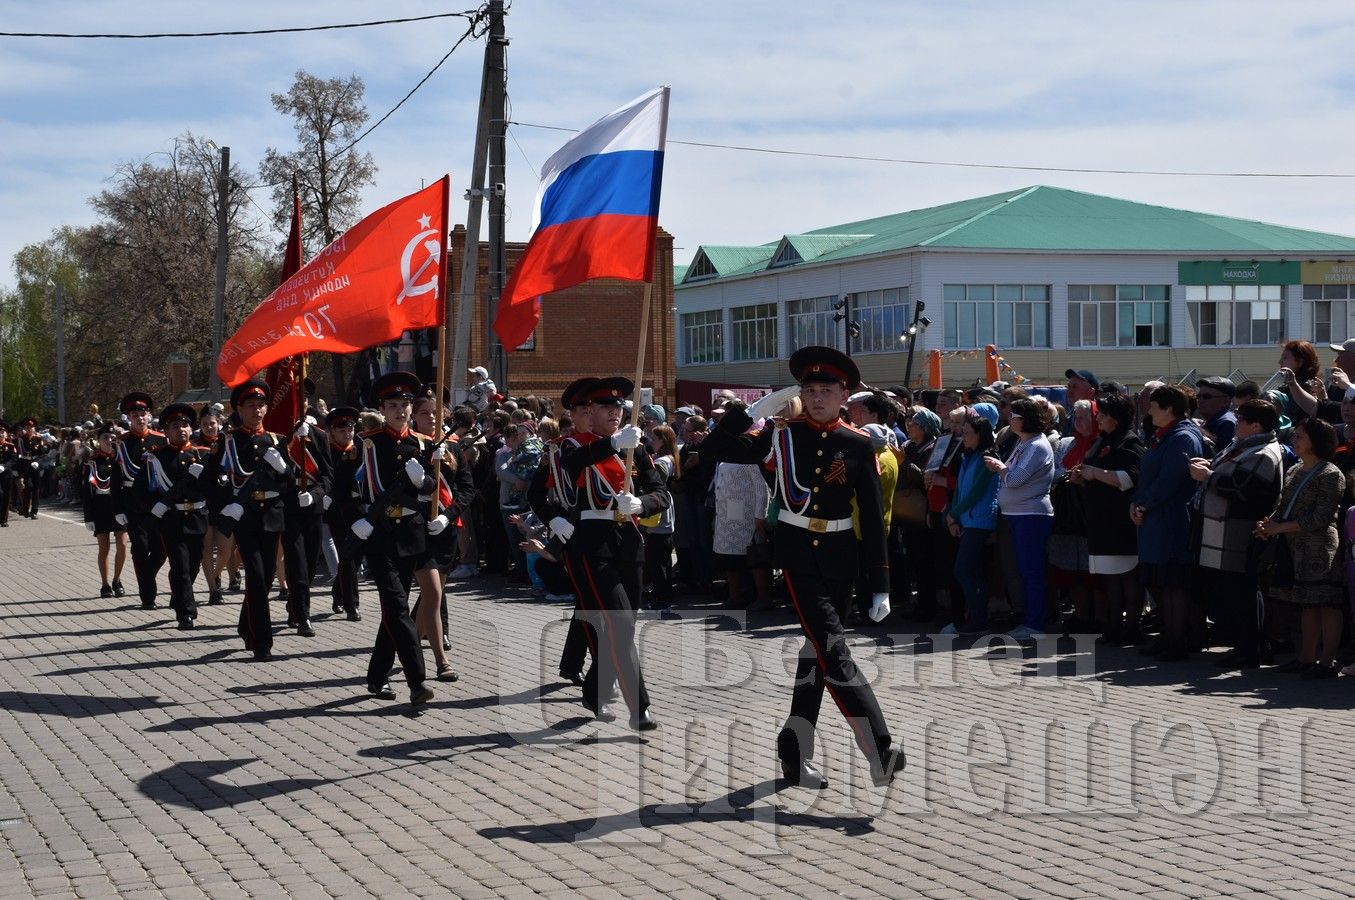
pixel 412 286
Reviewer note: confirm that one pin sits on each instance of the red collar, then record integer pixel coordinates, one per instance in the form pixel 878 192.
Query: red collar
pixel 139 434
pixel 180 446
pixel 830 426
pixel 252 432
pixel 344 449
pixel 399 436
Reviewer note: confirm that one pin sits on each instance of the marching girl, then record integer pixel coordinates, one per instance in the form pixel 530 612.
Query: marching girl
pixel 99 511
pixel 218 549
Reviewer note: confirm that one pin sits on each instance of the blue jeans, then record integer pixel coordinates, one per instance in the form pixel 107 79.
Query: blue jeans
pixel 969 571
pixel 1029 536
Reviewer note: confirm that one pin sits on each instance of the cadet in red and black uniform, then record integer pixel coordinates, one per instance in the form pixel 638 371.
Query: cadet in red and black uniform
pixel 9 457
pixel 605 551
pixel 131 495
pixel 341 507
pixel 178 479
pixel 101 468
pixel 258 475
pixel 551 496
pixel 820 465
pixel 304 506
pixel 30 446
pixel 397 489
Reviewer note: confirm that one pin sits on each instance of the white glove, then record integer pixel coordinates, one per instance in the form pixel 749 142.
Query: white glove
pixel 121 519
pixel 439 453
pixel 363 529
pixel 325 503
pixel 627 438
pixel 274 459
pixel 773 402
pixel 304 499
pixel 159 510
pixel 34 464
pixel 233 511
pixel 629 504
pixel 89 526
pixel 561 528
pixel 879 607
pixel 414 469
pixel 437 525
pixel 2 470
pixel 195 470
pixel 303 430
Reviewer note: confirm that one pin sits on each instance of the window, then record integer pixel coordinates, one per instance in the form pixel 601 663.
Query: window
pixel 754 331
pixel 703 337
pixel 1119 315
pixel 883 316
pixel 1008 315
pixel 1325 312
pixel 1235 314
pixel 810 323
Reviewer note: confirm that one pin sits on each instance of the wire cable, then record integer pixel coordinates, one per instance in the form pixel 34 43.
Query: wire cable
pixel 466 14
pixel 968 165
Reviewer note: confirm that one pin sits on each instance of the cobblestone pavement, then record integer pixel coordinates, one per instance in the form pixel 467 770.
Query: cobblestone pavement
pixel 142 761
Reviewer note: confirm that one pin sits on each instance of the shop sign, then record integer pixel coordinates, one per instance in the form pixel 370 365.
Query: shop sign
pixel 1241 271
pixel 1329 272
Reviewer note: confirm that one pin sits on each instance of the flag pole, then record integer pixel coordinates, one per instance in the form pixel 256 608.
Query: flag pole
pixel 444 357
pixel 639 374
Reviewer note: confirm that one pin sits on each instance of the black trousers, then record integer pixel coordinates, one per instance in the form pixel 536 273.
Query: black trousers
pixel 826 662
pixel 396 636
pixel 29 480
pixel 300 554
pixel 259 556
pixel 148 553
pixel 1235 604
pixel 608 591
pixel 4 499
pixel 659 566
pixel 580 641
pixel 344 590
pixel 184 553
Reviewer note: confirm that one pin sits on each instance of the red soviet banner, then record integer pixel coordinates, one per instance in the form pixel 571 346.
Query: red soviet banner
pixel 380 278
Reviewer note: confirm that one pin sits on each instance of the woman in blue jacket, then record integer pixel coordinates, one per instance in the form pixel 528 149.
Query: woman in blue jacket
pixel 1162 510
pixel 971 517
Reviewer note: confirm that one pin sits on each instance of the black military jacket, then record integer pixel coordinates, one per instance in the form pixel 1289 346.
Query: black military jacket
pixel 594 467
pixel 253 483
pixel 172 484
pixel 396 509
pixel 131 491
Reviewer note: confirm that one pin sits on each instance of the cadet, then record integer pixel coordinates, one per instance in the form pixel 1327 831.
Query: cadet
pixel 179 487
pixel 304 508
pixel 341 508
pixel 820 465
pixel 9 457
pixel 30 445
pixel 131 495
pixel 397 488
pixel 100 471
pixel 257 477
pixel 604 552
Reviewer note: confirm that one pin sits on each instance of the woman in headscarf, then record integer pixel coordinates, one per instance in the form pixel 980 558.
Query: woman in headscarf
pixel 910 504
pixel 1067 545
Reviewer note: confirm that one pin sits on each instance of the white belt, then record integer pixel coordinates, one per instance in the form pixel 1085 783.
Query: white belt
pixel 818 525
pixel 101 491
pixel 604 515
pixel 126 483
pixel 188 507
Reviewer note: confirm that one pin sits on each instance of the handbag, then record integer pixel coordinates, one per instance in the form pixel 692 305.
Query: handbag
pixel 909 507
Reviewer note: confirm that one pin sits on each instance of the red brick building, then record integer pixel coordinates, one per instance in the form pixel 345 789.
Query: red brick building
pixel 592 329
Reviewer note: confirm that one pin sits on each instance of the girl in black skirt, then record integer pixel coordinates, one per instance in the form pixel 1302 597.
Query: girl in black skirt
pixel 99 511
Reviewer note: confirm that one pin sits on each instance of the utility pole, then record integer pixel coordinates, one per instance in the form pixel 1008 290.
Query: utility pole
pixel 470 258
pixel 916 330
pixel 223 183
pixel 497 74
pixel 60 352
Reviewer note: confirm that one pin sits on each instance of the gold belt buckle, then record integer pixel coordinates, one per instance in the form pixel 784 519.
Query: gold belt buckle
pixel 259 497
pixel 818 525
pixel 395 512
pixel 618 516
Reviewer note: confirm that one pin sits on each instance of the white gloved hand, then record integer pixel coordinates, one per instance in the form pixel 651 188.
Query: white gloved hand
pixel 303 430
pixel 627 438
pixel 629 504
pixel 304 499
pixel 2 470
pixel 773 402
pixel 159 510
pixel 561 528
pixel 879 607
pixel 121 519
pixel 233 511
pixel 274 459
pixel 195 470
pixel 34 464
pixel 363 529
pixel 89 526
pixel 414 469
pixel 326 502
pixel 437 525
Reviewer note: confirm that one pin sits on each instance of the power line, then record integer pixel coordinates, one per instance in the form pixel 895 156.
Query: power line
pixel 467 14
pixel 967 165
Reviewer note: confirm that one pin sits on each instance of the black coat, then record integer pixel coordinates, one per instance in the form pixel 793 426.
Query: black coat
pixel 1110 531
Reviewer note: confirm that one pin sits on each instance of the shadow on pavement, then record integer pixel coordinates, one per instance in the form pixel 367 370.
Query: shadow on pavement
pixel 77 706
pixel 196 785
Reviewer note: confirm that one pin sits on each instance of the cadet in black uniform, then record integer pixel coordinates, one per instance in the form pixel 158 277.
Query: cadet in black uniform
pixel 131 495
pixel 820 465
pixel 303 510
pixel 397 488
pixel 605 551
pixel 100 471
pixel 257 475
pixel 30 445
pixel 178 478
pixel 9 456
pixel 341 507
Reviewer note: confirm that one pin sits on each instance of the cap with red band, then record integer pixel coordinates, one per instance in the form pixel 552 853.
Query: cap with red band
pixel 824 364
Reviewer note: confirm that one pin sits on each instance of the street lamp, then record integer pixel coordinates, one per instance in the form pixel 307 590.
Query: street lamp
pixel 852 327
pixel 918 327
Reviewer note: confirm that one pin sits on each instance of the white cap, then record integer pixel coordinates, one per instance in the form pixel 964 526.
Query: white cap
pixel 479 370
pixel 879 434
pixel 859 396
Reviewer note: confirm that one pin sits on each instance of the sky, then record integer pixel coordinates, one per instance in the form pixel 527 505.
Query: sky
pixel 1200 85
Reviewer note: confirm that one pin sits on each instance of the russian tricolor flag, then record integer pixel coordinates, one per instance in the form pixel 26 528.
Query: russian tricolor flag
pixel 597 212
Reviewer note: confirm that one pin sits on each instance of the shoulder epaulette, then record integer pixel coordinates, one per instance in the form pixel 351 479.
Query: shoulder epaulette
pixel 367 434
pixel 852 428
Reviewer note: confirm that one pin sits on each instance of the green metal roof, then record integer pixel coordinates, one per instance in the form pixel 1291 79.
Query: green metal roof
pixel 679 272
pixel 1049 218
pixel 730 260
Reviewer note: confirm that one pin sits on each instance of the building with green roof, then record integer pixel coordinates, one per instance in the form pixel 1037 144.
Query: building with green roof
pixel 1054 278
